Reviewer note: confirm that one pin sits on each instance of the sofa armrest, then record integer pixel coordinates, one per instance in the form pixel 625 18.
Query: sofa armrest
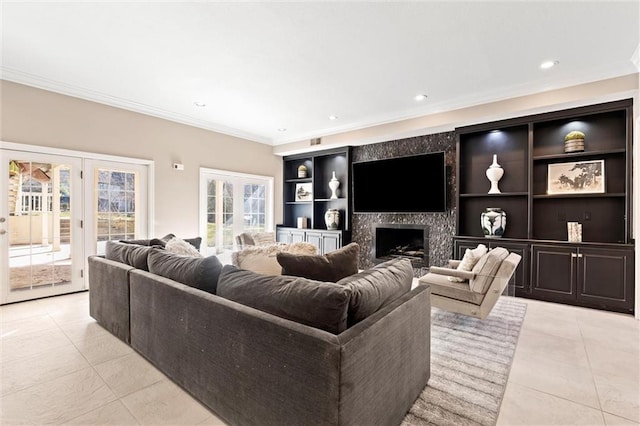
pixel 467 275
pixel 109 295
pixel 385 361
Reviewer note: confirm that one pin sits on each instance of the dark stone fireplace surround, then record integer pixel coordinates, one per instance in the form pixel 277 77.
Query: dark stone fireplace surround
pixel 441 226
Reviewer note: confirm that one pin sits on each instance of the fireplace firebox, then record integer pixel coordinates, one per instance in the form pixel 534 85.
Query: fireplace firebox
pixel 401 240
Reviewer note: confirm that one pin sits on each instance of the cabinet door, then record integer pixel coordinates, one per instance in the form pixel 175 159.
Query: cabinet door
pixel 553 273
pixel 605 278
pixel 315 238
pixel 330 242
pixel 297 236
pixel 283 236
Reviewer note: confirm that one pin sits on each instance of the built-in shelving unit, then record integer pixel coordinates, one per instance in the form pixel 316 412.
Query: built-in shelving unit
pixel 320 167
pixel 536 227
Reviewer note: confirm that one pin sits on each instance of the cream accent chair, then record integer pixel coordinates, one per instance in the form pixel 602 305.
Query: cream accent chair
pixel 481 288
pixel 248 239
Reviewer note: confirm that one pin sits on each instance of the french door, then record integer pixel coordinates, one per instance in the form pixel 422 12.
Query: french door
pixel 41 237
pixel 58 207
pixel 231 203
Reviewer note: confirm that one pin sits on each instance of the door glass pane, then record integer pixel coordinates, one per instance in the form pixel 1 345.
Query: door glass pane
pixel 116 194
pixel 40 205
pixel 254 207
pixel 227 207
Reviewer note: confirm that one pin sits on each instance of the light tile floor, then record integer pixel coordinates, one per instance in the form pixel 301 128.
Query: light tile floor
pixel 57 366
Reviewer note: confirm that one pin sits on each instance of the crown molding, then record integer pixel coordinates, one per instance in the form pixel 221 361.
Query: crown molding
pixel 16 76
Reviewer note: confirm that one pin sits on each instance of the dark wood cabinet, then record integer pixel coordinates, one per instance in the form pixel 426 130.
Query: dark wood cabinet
pixel 553 276
pixel 589 276
pixel 320 166
pixel 606 277
pixel 596 272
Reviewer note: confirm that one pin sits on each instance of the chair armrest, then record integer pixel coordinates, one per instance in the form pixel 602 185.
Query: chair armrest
pixel 454 263
pixel 467 275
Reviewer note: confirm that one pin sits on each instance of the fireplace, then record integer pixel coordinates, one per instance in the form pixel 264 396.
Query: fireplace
pixel 407 241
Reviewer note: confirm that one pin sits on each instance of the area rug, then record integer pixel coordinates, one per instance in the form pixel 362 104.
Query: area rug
pixel 470 363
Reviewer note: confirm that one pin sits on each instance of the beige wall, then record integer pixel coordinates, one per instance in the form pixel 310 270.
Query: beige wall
pixel 38 117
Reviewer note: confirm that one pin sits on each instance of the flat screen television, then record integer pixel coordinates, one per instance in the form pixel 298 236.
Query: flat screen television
pixel 410 184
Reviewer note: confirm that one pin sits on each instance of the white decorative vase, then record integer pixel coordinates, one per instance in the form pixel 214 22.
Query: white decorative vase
pixel 332 218
pixel 334 184
pixel 493 221
pixel 494 174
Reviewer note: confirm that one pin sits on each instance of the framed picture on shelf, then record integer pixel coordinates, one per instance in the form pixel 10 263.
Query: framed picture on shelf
pixel 304 192
pixel 581 177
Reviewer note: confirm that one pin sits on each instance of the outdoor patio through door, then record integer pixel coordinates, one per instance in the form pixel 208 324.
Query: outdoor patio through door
pixel 40 225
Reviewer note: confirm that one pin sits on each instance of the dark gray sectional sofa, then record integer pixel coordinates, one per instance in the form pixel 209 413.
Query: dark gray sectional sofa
pixel 255 368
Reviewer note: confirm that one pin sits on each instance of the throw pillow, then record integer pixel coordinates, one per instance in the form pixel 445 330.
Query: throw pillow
pixel 469 260
pixel 263 260
pixel 486 268
pixel 331 267
pixel 375 288
pixel 179 246
pixel 129 254
pixel 317 304
pixel 163 241
pixel 199 272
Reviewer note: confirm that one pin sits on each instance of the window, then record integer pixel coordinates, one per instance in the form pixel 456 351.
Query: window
pixel 116 204
pixel 233 203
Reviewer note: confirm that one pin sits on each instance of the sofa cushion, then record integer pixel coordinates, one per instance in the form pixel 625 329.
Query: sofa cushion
pixel 486 268
pixel 317 304
pixel 198 272
pixel 440 286
pixel 180 246
pixel 332 266
pixel 375 288
pixel 263 260
pixel 129 254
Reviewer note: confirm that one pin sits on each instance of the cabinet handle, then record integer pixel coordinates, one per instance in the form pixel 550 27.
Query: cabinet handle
pixel 574 255
pixel 579 254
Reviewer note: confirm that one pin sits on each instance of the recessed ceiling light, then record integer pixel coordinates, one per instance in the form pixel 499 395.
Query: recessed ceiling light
pixel 548 64
pixel 333 117
pixel 200 104
pixel 419 98
pixel 282 129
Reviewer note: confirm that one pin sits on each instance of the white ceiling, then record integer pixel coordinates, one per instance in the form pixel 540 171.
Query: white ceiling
pixel 261 66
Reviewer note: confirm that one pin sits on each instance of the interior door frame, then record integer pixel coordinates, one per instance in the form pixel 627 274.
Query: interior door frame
pixel 86 210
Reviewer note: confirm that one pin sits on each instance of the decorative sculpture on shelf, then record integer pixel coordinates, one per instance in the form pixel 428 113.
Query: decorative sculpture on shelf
pixel 334 183
pixel 332 219
pixel 302 171
pixel 493 221
pixel 494 174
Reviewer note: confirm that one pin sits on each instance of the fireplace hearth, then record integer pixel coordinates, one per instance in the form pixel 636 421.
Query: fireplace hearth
pixel 401 240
